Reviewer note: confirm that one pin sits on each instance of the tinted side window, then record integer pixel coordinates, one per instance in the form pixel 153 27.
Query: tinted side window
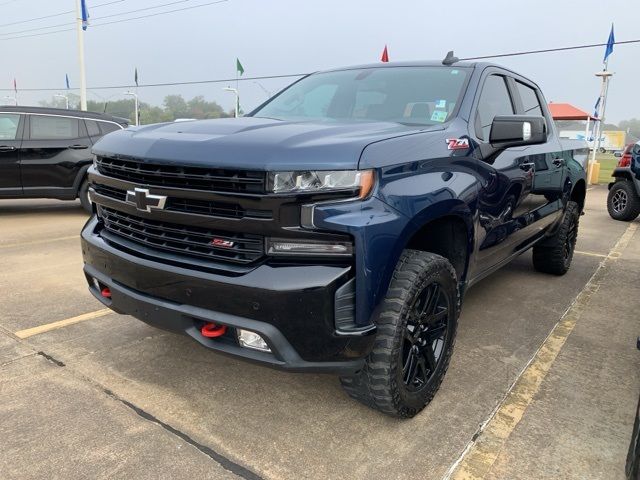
pixel 529 100
pixel 494 100
pixel 92 129
pixel 108 127
pixel 44 127
pixel 9 126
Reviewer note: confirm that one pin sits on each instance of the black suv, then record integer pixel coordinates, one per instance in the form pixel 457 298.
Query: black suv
pixel 45 152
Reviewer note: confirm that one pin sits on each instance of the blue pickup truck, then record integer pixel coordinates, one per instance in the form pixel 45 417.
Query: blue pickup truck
pixel 337 227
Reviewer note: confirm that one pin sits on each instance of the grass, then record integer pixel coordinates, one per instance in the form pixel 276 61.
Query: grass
pixel 607 164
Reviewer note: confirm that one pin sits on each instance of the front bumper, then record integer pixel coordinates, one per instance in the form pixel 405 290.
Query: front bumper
pixel 291 307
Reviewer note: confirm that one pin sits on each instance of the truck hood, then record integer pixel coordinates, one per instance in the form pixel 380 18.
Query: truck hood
pixel 253 143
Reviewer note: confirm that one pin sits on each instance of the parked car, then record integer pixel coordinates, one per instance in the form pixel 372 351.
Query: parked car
pixel 338 226
pixel 45 152
pixel 623 200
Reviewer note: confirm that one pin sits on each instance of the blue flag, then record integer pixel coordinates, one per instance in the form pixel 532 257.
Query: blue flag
pixel 85 15
pixel 596 107
pixel 610 43
pixel 66 77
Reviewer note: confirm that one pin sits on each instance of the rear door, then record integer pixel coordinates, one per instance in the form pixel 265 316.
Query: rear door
pixel 54 149
pixel 549 164
pixel 11 125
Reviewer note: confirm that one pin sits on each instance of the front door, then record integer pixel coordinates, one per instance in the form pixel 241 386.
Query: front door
pixel 10 142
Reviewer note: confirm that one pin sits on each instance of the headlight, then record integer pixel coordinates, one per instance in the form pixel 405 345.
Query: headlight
pixel 359 181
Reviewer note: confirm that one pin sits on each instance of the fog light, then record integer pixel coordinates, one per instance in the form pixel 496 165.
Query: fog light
pixel 249 339
pixel 306 247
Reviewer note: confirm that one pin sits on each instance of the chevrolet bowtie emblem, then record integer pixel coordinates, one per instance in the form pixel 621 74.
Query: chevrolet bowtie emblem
pixel 144 201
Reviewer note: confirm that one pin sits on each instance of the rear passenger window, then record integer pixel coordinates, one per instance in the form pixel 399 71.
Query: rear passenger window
pixel 529 100
pixel 53 128
pixel 108 127
pixel 9 126
pixel 494 101
pixel 92 129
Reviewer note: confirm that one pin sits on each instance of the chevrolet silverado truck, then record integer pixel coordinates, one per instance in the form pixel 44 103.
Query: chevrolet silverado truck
pixel 337 227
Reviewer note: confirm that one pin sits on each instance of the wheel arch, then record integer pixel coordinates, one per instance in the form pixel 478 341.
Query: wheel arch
pixel 446 229
pixel 579 193
pixel 80 177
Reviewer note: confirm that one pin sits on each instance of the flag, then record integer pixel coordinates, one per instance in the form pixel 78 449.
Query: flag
pixel 239 67
pixel 66 77
pixel 135 76
pixel 85 15
pixel 15 85
pixel 385 55
pixel 610 43
pixel 596 108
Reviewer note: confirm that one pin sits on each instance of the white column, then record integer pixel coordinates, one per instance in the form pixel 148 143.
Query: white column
pixel 83 78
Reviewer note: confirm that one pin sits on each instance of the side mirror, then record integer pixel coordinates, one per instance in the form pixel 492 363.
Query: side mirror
pixel 617 154
pixel 517 130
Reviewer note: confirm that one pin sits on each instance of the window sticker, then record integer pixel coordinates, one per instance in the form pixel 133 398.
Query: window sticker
pixel 441 104
pixel 438 116
pixel 454 72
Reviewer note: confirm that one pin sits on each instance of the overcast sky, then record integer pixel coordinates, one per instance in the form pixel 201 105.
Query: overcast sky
pixel 273 37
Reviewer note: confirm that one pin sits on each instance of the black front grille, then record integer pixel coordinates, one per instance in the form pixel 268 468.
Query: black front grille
pixel 184 239
pixel 176 176
pixel 189 205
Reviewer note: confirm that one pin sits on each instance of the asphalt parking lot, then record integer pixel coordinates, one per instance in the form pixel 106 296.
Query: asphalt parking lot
pixel 543 382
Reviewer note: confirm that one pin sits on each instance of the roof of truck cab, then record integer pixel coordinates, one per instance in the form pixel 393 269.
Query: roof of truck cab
pixel 422 63
pixel 63 112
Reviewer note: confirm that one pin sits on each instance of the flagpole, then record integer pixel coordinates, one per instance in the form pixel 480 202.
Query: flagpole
pixel 237 95
pixel 83 78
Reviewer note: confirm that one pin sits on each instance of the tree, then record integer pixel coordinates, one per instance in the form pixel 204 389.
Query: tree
pixel 176 106
pixel 173 106
pixel 632 126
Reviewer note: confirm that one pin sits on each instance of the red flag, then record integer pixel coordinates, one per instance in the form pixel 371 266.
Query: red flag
pixel 15 86
pixel 385 55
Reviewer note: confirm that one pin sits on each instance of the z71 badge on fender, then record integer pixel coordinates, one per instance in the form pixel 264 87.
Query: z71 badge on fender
pixel 457 143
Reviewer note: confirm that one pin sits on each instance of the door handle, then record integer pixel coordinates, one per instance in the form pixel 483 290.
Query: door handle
pixel 78 147
pixel 558 162
pixel 7 148
pixel 526 166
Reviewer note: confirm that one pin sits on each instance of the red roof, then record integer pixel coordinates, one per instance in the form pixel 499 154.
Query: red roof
pixel 566 111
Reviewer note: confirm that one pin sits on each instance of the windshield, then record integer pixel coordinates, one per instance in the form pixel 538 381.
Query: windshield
pixel 407 95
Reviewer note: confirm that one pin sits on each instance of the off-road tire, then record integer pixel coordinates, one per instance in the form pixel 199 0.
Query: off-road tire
pixel 381 384
pixel 554 254
pixel 623 202
pixel 83 195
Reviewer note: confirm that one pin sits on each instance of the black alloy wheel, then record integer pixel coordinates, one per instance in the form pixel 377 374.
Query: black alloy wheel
pixel 424 337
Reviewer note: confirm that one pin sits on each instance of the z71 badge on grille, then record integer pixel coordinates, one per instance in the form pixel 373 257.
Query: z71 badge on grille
pixel 144 201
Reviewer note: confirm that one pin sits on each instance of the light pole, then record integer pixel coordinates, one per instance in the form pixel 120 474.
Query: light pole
pixel 83 77
pixel 13 99
pixel 235 91
pixel 65 98
pixel 135 99
pixel 602 103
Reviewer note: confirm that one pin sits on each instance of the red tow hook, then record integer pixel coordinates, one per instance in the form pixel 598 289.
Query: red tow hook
pixel 106 292
pixel 211 330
